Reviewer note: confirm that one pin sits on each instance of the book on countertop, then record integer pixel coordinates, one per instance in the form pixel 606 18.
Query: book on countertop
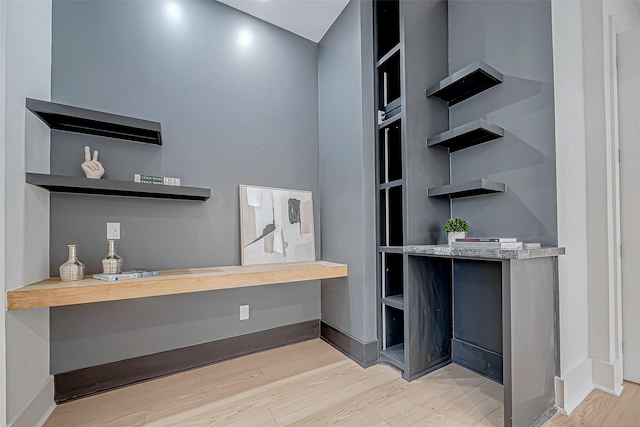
pixel 488 239
pixel 129 274
pixel 487 245
pixel 152 179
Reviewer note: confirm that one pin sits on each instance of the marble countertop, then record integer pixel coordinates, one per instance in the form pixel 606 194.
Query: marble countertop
pixel 448 251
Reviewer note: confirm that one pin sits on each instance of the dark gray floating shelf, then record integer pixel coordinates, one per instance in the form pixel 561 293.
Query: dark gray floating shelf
pixel 467 135
pixel 82 120
pixel 394 355
pixel 395 301
pixel 108 187
pixel 464 84
pixel 467 189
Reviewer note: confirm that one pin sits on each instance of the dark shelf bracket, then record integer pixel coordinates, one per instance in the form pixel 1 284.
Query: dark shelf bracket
pixel 465 83
pixel 81 120
pixel 467 135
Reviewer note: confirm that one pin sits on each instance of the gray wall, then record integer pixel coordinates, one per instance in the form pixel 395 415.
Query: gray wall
pixel 515 38
pixel 345 80
pixel 24 234
pixel 424 50
pixel 230 115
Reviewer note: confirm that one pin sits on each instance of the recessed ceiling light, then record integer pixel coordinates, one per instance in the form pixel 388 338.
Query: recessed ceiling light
pixel 245 38
pixel 173 11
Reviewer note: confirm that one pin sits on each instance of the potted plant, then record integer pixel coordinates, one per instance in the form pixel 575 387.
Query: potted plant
pixel 456 228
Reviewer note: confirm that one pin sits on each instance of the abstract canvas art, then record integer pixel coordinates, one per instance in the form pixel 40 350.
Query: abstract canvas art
pixel 276 225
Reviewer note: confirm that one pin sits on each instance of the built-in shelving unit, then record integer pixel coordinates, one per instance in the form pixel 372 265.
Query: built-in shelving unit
pixel 466 189
pixel 108 187
pixel 390 180
pixel 408 38
pixel 467 135
pixel 465 83
pixel 54 293
pixel 82 120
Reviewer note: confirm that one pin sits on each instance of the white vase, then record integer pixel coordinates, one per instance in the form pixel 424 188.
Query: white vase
pixel 451 237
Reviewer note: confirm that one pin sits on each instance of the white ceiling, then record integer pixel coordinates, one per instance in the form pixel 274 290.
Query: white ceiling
pixel 307 18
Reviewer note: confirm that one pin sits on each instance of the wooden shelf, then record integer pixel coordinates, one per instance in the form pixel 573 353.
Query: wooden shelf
pixel 467 189
pixel 465 83
pixel 54 293
pixel 467 135
pixel 108 187
pixel 91 122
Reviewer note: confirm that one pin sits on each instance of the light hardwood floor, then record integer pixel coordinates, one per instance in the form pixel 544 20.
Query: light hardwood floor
pixel 311 383
pixel 601 409
pixel 304 384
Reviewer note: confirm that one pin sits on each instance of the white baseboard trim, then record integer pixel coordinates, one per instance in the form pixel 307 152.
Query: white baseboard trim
pixel 616 392
pixel 37 409
pixel 607 376
pixel 574 386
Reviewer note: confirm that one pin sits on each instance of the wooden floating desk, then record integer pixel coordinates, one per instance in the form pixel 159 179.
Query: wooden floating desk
pixel 54 293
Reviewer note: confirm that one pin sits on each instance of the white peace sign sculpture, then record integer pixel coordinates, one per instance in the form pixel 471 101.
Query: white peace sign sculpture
pixel 92 167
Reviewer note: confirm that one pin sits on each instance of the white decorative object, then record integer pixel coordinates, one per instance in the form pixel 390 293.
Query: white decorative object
pixel 92 167
pixel 451 237
pixel 276 225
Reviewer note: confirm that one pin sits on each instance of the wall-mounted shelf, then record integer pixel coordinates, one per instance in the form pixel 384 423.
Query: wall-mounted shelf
pixel 54 293
pixel 467 189
pixel 82 120
pixel 464 84
pixel 467 135
pixel 108 187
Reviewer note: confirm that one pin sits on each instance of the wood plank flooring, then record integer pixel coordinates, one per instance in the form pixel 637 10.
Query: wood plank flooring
pixel 304 384
pixel 602 409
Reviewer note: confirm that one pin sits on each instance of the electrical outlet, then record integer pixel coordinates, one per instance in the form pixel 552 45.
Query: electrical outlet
pixel 113 230
pixel 244 312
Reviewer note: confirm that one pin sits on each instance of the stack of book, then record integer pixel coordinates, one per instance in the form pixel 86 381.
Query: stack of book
pixel 130 274
pixel 493 243
pixel 151 179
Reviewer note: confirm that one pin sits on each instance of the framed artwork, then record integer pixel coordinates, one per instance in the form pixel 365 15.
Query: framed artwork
pixel 276 225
